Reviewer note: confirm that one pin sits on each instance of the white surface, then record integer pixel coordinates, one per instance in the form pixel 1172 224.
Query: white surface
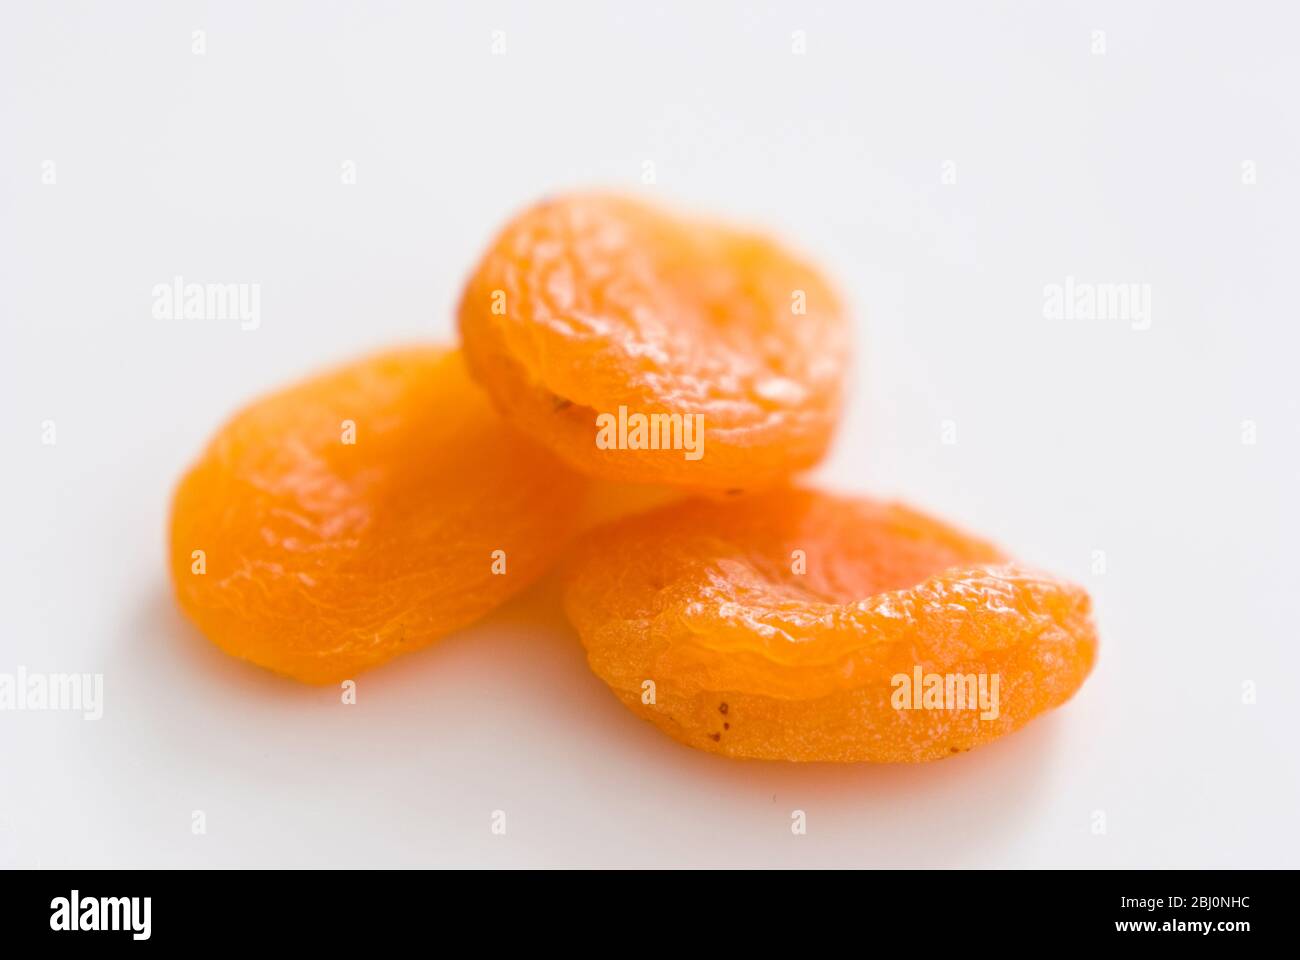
pixel 1073 436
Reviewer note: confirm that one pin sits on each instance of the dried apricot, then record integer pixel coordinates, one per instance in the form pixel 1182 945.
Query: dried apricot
pixel 800 625
pixel 361 514
pixel 650 348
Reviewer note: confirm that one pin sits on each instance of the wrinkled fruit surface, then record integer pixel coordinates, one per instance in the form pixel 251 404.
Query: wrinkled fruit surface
pixel 592 304
pixel 701 605
pixel 322 557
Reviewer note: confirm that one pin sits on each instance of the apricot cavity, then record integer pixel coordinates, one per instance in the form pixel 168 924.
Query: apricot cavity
pixel 361 514
pixel 778 626
pixel 645 347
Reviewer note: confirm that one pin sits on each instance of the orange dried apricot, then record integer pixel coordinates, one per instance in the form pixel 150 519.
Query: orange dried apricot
pixel 363 513
pixel 646 347
pixel 801 625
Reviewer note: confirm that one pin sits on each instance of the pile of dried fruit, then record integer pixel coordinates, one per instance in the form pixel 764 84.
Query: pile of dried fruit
pixel 369 510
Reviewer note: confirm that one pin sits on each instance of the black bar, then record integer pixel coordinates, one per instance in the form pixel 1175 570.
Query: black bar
pixel 239 908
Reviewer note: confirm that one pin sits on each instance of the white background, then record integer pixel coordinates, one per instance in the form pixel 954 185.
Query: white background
pixel 1072 436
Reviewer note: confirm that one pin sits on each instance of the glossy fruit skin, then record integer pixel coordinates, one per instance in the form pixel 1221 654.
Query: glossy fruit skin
pixel 752 660
pixel 588 303
pixel 323 557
